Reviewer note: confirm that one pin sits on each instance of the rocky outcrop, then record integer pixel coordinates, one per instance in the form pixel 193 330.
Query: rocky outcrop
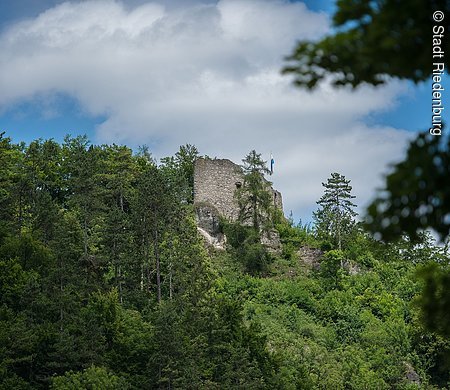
pixel 207 218
pixel 351 267
pixel 271 240
pixel 411 375
pixel 310 257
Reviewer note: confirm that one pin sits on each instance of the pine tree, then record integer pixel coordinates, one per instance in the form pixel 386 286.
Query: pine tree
pixel 254 198
pixel 335 218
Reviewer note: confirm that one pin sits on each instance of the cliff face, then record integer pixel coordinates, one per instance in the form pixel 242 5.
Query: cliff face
pixel 215 182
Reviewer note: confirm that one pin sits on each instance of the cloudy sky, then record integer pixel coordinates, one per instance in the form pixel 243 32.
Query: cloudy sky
pixel 166 73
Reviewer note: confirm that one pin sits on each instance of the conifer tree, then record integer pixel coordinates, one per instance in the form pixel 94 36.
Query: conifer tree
pixel 254 198
pixel 335 218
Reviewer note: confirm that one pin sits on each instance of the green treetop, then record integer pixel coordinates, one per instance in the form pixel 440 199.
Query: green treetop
pixel 254 198
pixel 373 39
pixel 335 217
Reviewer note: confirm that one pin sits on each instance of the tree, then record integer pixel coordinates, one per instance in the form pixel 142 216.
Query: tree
pixel 417 193
pixel 185 159
pixel 416 197
pixel 392 38
pixel 118 180
pixel 11 159
pixel 90 378
pixel 335 218
pixel 43 170
pixel 254 199
pixel 256 215
pixel 179 172
pixel 151 209
pixel 82 164
pixel 435 300
pixel 373 39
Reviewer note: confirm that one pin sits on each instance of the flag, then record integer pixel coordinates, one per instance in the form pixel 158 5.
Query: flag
pixel 272 162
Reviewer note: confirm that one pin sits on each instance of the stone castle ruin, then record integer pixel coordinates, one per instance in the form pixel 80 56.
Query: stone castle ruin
pixel 215 181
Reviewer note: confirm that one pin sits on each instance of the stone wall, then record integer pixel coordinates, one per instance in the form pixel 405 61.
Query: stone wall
pixel 215 182
pixel 277 199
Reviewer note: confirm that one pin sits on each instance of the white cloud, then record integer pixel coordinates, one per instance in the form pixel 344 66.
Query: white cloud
pixel 207 74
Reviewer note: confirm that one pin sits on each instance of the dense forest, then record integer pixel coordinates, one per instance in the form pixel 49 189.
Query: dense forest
pixel 106 284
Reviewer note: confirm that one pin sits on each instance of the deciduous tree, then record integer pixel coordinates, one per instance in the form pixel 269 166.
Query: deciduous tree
pixel 372 40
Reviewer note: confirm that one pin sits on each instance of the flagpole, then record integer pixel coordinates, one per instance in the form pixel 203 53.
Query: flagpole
pixel 272 162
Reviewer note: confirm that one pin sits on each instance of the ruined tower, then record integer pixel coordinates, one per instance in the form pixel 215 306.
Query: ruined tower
pixel 215 182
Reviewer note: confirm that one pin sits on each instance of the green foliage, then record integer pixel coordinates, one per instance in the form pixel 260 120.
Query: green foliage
pixel 361 249
pixel 435 298
pixel 179 171
pixel 11 159
pixel 13 281
pixel 30 253
pixel 92 378
pixel 329 337
pixel 256 258
pixel 417 197
pixel 334 221
pixel 19 343
pixel 104 283
pixel 433 353
pixel 247 248
pixel 236 233
pixel 360 51
pixel 371 40
pixel 417 193
pixel 293 236
pixel 331 267
pixel 253 197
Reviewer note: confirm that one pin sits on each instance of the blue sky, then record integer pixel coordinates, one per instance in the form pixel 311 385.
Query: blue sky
pixel 25 122
pixel 201 72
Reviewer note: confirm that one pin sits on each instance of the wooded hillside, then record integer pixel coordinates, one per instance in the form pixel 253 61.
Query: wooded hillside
pixel 106 284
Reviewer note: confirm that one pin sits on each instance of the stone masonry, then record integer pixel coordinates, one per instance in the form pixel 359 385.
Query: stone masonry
pixel 215 181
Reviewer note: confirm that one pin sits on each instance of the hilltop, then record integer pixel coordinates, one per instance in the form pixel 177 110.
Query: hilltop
pixel 105 282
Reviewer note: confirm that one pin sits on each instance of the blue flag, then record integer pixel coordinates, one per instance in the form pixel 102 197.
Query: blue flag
pixel 272 163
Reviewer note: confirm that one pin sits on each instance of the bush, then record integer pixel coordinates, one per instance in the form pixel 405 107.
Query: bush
pixel 331 266
pixel 247 248
pixel 294 236
pixel 255 258
pixel 236 233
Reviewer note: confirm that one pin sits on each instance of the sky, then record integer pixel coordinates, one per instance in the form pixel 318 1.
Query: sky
pixel 167 73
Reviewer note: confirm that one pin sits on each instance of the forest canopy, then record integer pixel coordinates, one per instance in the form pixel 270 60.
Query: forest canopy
pixel 105 283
